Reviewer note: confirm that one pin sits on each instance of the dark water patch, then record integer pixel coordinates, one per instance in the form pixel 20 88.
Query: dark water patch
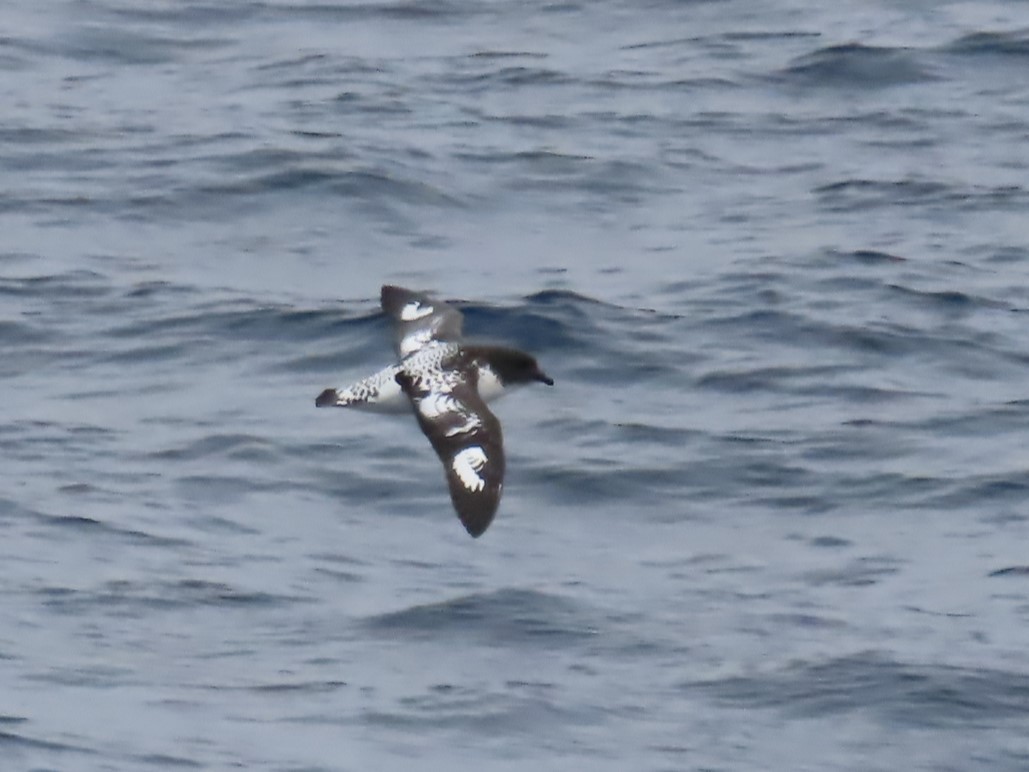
pixel 16 510
pixel 405 10
pixel 235 321
pixel 808 504
pixel 859 194
pixel 45 137
pixel 761 35
pixel 221 525
pixel 37 440
pixel 1007 44
pixel 1006 255
pixel 163 760
pixel 243 447
pixel 566 299
pixel 123 598
pixel 545 162
pixel 18 333
pixel 228 489
pixel 15 258
pixel 96 676
pixel 501 55
pixel 778 379
pixel 952 301
pixel 676 42
pixel 297 687
pixel 351 103
pixel 593 480
pixel 147 352
pixel 16 742
pixel 510 76
pixel 69 285
pixel 125 45
pixel 988 490
pixel 510 617
pixel 853 194
pixel 647 434
pixel 219 488
pixel 599 185
pixel 830 542
pixel 854 65
pixel 81 489
pixel 1012 571
pixel 379 186
pixel 1004 518
pixel 261 159
pixel 854 394
pixel 895 693
pixel 862 572
pixel 551 320
pixel 338 568
pixel 372 487
pixel 191 14
pixel 286 180
pixel 448 707
pixel 343 577
pixel 160 289
pixel 302 61
pixel 533 331
pixel 591 335
pixel 807 621
pixel 9 62
pixel 76 526
pixel 869 257
pixel 777 326
pixel 984 420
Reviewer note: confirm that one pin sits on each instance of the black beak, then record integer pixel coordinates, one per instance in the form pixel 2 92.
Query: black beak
pixel 542 376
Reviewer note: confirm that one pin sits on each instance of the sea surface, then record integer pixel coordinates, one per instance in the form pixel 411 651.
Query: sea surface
pixel 774 513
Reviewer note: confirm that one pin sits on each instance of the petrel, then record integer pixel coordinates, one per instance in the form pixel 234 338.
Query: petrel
pixel 447 382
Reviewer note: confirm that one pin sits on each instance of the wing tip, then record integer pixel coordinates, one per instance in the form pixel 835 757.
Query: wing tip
pixel 327 398
pixel 476 515
pixel 476 526
pixel 392 297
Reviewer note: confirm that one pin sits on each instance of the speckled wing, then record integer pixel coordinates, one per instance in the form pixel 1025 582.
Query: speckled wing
pixel 467 438
pixel 418 319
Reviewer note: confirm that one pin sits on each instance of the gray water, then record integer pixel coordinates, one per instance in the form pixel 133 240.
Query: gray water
pixel 773 514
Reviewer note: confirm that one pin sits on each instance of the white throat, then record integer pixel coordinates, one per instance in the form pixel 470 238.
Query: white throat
pixel 490 387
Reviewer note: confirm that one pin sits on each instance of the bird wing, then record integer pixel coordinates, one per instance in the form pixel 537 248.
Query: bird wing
pixel 467 438
pixel 418 319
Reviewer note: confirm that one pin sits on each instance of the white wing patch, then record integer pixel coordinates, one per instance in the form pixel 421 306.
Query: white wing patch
pixel 436 404
pixel 414 311
pixel 471 423
pixel 467 464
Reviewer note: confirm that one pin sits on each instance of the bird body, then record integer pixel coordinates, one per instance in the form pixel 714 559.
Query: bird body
pixel 447 382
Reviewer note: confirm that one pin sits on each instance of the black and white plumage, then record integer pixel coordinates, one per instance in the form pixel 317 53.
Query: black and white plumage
pixel 448 383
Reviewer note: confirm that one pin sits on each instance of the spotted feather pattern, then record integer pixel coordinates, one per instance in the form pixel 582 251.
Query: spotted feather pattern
pixel 447 382
pixel 464 433
pixel 418 319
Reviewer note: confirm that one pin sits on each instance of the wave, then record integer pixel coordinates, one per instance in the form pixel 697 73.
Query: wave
pixel 511 617
pixel 897 693
pixel 856 65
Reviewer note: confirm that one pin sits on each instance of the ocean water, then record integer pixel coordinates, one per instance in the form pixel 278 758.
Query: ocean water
pixel 774 514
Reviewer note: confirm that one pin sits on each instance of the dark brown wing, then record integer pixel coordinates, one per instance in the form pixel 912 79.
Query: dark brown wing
pixel 467 438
